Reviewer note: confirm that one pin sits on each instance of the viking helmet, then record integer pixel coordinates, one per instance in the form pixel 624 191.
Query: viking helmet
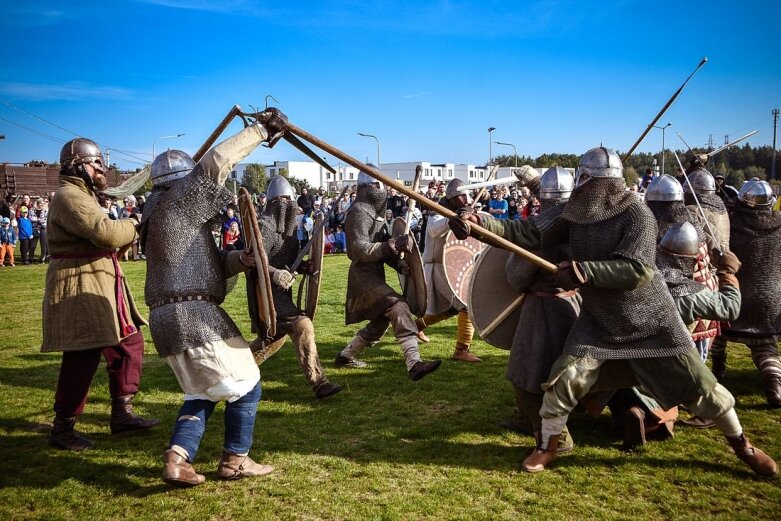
pixel 756 193
pixel 171 165
pixel 366 179
pixel 528 176
pixel 664 188
pixel 81 151
pixel 556 183
pixel 702 182
pixel 452 189
pixel 599 162
pixel 279 187
pixel 681 239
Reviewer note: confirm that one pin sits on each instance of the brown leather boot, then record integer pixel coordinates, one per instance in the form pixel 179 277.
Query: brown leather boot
pixel 634 428
pixel 178 471
pixel 63 436
pixel 759 462
pixel 233 466
pixel 462 353
pixel 123 419
pixel 541 457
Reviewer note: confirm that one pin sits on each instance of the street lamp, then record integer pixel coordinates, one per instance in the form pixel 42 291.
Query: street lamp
pixel 379 165
pixel 162 137
pixel 514 150
pixel 662 129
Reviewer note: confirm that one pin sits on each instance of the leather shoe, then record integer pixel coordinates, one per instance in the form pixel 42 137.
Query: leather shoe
pixel 123 419
pixel 421 369
pixel 178 471
pixel 759 462
pixel 64 436
pixel 542 456
pixel 233 466
pixel 349 362
pixel 463 354
pixel 325 389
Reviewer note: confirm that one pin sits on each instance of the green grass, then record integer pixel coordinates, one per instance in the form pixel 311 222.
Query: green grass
pixel 384 448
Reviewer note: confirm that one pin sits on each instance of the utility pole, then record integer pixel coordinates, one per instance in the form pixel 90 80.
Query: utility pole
pixel 775 127
pixel 710 142
pixel 726 139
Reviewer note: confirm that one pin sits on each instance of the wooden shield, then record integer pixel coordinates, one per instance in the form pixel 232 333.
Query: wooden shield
pixel 253 243
pixel 458 259
pixel 494 306
pixel 413 286
pixel 311 283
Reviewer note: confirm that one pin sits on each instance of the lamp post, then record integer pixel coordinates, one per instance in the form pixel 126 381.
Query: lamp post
pixel 490 151
pixel 379 165
pixel 662 129
pixel 514 150
pixel 162 137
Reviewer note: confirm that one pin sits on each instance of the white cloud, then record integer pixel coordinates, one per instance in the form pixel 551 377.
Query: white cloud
pixel 67 91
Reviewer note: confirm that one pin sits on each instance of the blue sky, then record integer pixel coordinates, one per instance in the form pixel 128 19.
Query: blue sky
pixel 427 78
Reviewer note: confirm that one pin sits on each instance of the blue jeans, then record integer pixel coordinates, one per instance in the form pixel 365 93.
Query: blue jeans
pixel 239 423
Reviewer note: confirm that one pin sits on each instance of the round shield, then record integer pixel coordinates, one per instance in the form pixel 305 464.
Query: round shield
pixel 458 259
pixel 312 281
pixel 493 305
pixel 262 282
pixel 413 287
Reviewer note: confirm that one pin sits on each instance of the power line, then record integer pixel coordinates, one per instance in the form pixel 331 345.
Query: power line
pixel 47 136
pixel 38 117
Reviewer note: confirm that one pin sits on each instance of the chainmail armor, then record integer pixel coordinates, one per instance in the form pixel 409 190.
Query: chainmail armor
pixel 609 191
pixel 678 273
pixel 281 249
pixel 182 260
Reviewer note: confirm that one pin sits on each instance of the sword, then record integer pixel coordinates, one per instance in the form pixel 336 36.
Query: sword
pixel 487 183
pixel 485 235
pixel 661 112
pixel 713 153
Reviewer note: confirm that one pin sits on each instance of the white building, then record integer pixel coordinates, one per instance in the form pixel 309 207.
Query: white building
pixel 309 171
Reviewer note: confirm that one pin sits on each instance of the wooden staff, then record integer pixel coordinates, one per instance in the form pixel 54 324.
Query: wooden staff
pixel 235 111
pixel 483 234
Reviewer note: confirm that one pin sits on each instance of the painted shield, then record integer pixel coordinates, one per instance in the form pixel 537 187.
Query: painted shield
pixel 458 259
pixel 413 286
pixel 494 306
pixel 254 245
pixel 309 290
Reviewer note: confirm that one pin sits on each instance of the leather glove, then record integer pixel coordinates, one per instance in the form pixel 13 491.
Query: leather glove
pixel 283 279
pixel 399 244
pixel 461 224
pixel 248 259
pixel 275 122
pixel 306 267
pixel 403 267
pixel 570 275
pixel 726 262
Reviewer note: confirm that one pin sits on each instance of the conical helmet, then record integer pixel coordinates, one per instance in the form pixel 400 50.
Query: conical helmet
pixel 664 188
pixel 599 162
pixel 556 183
pixel 681 239
pixel 171 165
pixel 756 193
pixel 279 187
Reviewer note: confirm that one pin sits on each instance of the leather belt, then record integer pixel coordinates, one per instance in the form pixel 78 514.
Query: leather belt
pixel 183 298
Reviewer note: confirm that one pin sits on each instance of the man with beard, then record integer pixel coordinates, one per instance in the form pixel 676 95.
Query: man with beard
pixel 547 314
pixel 628 317
pixel 442 303
pixel 756 239
pixel 277 226
pixel 187 280
pixel 369 297
pixel 88 311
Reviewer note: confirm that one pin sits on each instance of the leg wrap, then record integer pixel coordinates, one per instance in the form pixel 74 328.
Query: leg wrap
pixel 766 359
pixel 465 330
pixel 430 320
pixel 303 337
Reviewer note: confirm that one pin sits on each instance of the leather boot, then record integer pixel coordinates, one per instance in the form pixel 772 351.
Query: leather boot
pixel 542 456
pixel 178 471
pixel 233 466
pixel 462 353
pixel 123 419
pixel 759 462
pixel 634 428
pixel 63 436
pixel 718 364
pixel 324 389
pixel 421 369
pixel 773 391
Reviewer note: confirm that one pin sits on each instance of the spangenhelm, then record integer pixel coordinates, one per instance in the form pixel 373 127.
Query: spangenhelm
pixel 599 162
pixel 452 191
pixel 702 182
pixel 556 183
pixel 756 194
pixel 681 239
pixel 81 151
pixel 366 179
pixel 664 188
pixel 279 187
pixel 171 165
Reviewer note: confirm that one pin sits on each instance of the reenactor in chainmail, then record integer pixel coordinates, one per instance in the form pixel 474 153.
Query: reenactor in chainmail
pixel 628 318
pixel 442 303
pixel 713 207
pixel 187 280
pixel 278 228
pixel 547 314
pixel 369 297
pixel 756 240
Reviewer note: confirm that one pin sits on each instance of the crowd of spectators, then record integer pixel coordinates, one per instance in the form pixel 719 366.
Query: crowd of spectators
pixel 23 223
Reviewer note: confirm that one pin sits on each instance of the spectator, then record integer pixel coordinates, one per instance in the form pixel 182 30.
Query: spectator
pixel 533 205
pixel 7 242
pixel 229 218
pixel 340 242
pixel 306 201
pixel 304 225
pixel 512 208
pixel 38 216
pixel 497 206
pixel 395 202
pixel 523 208
pixel 261 206
pixel 321 195
pixel 140 202
pixel 231 238
pixel 25 234
pixel 328 245
pixel 108 208
pixel 389 222
pixel 25 202
pixel 646 180
pixel 5 209
pixel 129 211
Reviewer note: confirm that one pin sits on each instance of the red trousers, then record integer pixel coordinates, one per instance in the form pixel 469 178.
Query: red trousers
pixel 123 364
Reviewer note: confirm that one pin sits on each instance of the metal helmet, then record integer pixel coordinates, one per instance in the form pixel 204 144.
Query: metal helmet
pixel 81 151
pixel 556 183
pixel 452 191
pixel 702 182
pixel 599 162
pixel 171 165
pixel 756 193
pixel 681 239
pixel 664 188
pixel 366 179
pixel 528 176
pixel 279 187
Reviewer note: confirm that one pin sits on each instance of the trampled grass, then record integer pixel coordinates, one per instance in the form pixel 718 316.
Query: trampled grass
pixel 384 448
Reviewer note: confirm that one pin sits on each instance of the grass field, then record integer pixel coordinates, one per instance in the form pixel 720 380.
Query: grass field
pixel 384 448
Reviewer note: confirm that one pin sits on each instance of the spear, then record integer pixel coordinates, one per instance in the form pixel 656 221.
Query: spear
pixel 485 235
